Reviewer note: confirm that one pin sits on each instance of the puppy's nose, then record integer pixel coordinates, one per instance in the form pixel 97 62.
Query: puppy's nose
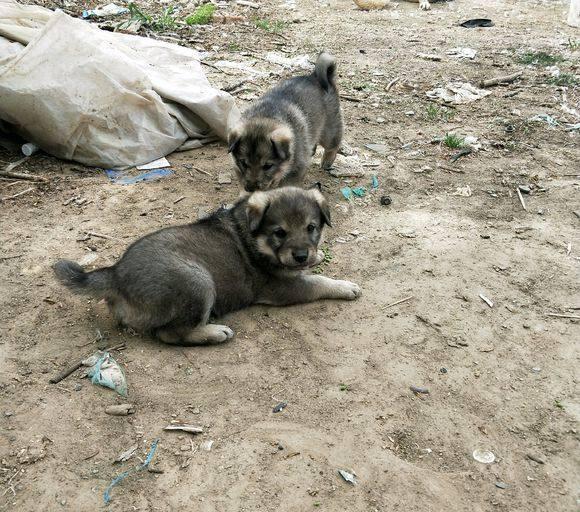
pixel 251 187
pixel 300 255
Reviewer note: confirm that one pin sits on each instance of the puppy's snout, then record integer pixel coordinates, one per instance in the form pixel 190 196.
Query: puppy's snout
pixel 300 255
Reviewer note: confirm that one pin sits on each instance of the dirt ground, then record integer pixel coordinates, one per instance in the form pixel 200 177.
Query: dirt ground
pixel 501 378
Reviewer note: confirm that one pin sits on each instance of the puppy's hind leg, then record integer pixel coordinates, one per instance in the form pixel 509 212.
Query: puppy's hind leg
pixel 328 158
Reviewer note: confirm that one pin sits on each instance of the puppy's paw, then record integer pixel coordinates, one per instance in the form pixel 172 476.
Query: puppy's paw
pixel 347 290
pixel 219 333
pixel 425 5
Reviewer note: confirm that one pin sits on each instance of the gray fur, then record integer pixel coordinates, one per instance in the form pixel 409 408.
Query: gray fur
pixel 276 138
pixel 172 281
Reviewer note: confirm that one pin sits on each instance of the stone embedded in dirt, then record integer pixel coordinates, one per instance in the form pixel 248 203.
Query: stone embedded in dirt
pixel 525 189
pixel 501 485
pixel 30 455
pixel 382 149
pixel 206 445
pixel 386 200
pixel 419 390
pixel 225 178
pixel 120 409
pixel 535 458
pixel 484 456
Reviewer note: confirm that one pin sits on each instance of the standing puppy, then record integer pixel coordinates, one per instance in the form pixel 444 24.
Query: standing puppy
pixel 277 136
pixel 172 281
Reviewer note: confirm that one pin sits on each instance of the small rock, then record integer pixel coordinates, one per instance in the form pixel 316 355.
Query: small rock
pixel 525 189
pixel 78 386
pixel 501 485
pixel 419 390
pixel 381 120
pixel 349 477
pixel 279 407
pixel 386 200
pixel 535 458
pixel 206 445
pixel 185 448
pixel 443 370
pixel 536 370
pixel 280 447
pixel 8 414
pixel 224 177
pixel 120 409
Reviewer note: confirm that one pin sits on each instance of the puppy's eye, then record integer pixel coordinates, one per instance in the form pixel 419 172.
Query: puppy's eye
pixel 280 233
pixel 268 167
pixel 311 228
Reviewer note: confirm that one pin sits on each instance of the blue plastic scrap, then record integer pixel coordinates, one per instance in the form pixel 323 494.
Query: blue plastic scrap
pixel 346 192
pixel 121 177
pixel 108 373
pixel 125 474
pixel 374 182
pixel 359 191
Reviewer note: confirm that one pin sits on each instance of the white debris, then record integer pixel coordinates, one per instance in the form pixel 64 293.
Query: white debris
pixel 299 62
pixel 160 163
pixel 463 191
pixel 349 477
pixel 483 456
pixel 458 93
pixel 462 53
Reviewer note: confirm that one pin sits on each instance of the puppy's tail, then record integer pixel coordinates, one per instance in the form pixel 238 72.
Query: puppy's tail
pixel 325 71
pixel 99 283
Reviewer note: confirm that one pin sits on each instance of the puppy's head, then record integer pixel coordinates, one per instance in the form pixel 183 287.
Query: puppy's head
pixel 261 149
pixel 287 225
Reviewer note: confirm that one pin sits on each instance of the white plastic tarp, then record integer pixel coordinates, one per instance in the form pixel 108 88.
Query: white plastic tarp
pixel 103 98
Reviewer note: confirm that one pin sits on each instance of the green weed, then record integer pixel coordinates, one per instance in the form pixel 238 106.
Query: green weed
pixel 165 21
pixel 564 79
pixel 453 141
pixel 273 26
pixel 325 262
pixel 435 112
pixel 540 59
pixel 202 15
pixel 573 44
pixel 344 387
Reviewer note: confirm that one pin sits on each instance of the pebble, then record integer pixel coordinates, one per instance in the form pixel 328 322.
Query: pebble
pixel 443 370
pixel 483 456
pixel 386 200
pixel 8 414
pixel 78 386
pixel 185 447
pixel 524 189
pixel 501 485
pixel 536 370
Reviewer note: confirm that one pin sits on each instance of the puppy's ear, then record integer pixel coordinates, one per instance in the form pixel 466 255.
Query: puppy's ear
pixel 234 138
pixel 281 139
pixel 322 204
pixel 257 205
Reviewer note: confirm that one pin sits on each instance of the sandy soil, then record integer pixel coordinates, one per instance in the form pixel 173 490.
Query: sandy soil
pixel 501 378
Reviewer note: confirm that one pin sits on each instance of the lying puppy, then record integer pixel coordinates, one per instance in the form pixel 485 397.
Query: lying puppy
pixel 170 282
pixel 277 136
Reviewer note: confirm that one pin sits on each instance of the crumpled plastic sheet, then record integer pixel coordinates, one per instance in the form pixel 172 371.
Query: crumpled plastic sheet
pixel 105 371
pixel 103 98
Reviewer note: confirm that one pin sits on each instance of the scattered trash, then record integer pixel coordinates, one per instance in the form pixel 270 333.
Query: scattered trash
pixel 88 258
pixel 120 409
pixel 473 142
pixel 105 371
pixel 347 166
pixel 462 53
pixel 544 118
pixel 487 348
pixel 299 62
pixel 501 80
pixel 279 407
pixel 374 182
pixel 125 474
pixel 430 56
pixel 122 178
pixel 520 197
pixel 386 200
pixel 483 456
pixel 349 477
pixel 460 154
pixel 108 10
pixel 457 93
pixel 160 163
pixel 572 127
pixel 535 458
pixel 29 149
pixel 224 178
pixel 501 485
pixel 206 445
pixel 185 427
pixel 127 454
pixel 382 149
pixel 574 14
pixel 463 191
pixel 477 22
pixel 418 390
pixel 486 300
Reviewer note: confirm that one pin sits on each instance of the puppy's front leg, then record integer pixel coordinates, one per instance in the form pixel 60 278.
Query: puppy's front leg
pixel 307 288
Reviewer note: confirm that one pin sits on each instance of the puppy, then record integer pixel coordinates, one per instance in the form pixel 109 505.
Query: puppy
pixel 172 281
pixel 425 4
pixel 277 136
